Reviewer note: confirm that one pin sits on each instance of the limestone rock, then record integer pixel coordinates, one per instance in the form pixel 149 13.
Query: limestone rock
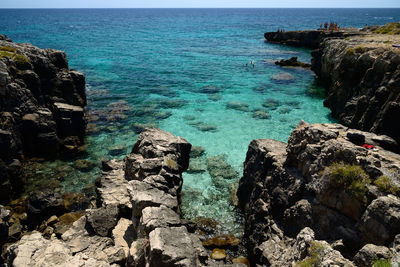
pixel 144 195
pixel 174 246
pixel 369 253
pixel 155 217
pixel 381 221
pixel 153 143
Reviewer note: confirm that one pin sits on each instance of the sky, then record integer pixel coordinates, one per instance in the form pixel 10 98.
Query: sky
pixel 197 3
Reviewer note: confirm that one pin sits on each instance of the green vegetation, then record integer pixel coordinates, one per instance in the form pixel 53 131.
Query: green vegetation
pixel 356 50
pixel 352 177
pixel 171 163
pixel 381 263
pixel 390 28
pixel 386 184
pixel 10 52
pixel 314 258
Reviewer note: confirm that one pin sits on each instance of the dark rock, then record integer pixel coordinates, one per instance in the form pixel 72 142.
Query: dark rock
pixel 292 62
pixel 102 220
pixel 84 165
pixel 237 106
pixel 218 167
pixel 42 204
pixel 197 151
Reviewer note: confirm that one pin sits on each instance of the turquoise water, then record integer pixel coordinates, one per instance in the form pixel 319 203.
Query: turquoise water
pixel 183 70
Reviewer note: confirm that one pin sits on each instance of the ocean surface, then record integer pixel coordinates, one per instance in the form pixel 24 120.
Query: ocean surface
pixel 183 70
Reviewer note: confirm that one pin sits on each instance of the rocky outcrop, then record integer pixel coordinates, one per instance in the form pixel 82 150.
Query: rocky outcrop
pixel 41 107
pixel 292 62
pixel 323 180
pixel 136 221
pixel 309 39
pixel 361 71
pixel 363 81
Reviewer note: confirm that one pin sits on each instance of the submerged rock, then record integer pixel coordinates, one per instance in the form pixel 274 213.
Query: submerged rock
pixel 218 166
pixel 261 114
pixel 218 254
pixel 282 77
pixel 237 106
pixel 196 166
pixel 197 151
pixel 271 103
pixel 210 89
pixel 84 165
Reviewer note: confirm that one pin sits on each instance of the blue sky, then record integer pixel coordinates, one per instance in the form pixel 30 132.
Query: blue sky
pixel 193 3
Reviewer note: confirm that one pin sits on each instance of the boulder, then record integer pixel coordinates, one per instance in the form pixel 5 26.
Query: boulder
pixel 381 221
pixel 155 217
pixel 174 246
pixel 153 143
pixel 102 220
pixel 370 253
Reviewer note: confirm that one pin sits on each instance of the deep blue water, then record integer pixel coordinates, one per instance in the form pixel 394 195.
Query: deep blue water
pixel 182 70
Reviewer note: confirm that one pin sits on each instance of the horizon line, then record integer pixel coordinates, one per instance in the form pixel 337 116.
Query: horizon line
pixel 198 7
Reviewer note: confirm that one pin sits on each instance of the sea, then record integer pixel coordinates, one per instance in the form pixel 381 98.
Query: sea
pixel 204 74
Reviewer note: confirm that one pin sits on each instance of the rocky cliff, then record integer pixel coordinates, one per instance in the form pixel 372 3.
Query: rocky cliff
pixel 136 220
pixel 322 198
pixel 41 108
pixel 361 72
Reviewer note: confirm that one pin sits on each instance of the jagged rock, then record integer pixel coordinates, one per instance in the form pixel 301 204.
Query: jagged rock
pixel 123 235
pixel 102 220
pixel 4 225
pixel 155 217
pixel 34 250
pixel 43 204
pixel 145 195
pixel 292 62
pixel 309 39
pixel 285 188
pixel 153 143
pixel 361 73
pixel 112 187
pixel 381 221
pixel 370 253
pixel 136 257
pixel 32 81
pixel 174 246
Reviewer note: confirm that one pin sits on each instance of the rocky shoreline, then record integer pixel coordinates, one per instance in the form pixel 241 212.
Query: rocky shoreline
pixel 136 221
pixel 361 71
pixel 41 110
pixel 330 197
pixel 320 195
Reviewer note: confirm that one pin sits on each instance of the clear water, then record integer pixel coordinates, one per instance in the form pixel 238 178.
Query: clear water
pixel 158 67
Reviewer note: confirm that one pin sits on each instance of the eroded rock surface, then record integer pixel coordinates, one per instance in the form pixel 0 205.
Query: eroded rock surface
pixel 41 107
pixel 286 189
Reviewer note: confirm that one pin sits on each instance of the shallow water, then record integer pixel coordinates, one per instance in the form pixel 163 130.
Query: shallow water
pixel 184 71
